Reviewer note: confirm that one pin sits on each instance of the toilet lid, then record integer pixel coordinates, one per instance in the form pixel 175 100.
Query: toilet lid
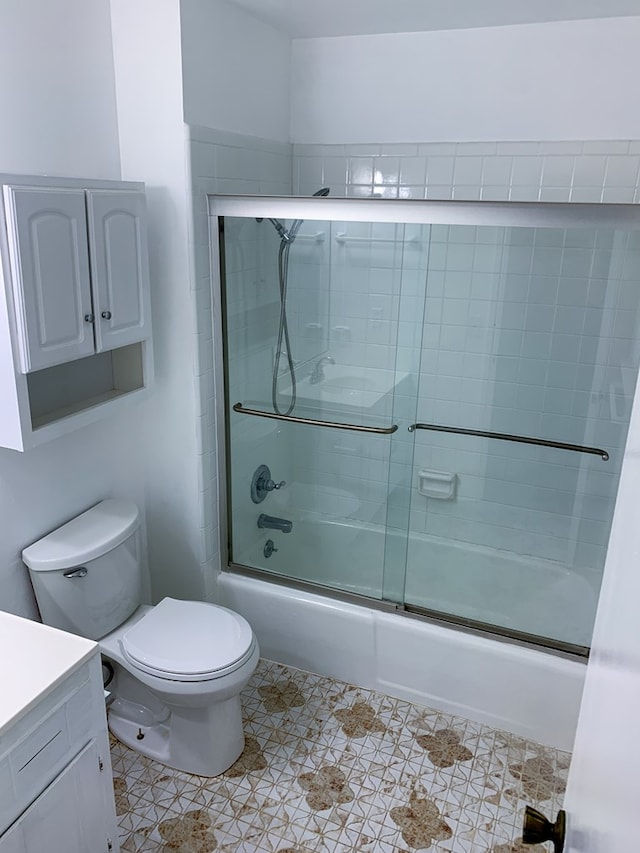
pixel 188 638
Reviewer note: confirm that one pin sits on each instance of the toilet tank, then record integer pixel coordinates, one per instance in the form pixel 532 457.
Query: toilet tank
pixel 87 575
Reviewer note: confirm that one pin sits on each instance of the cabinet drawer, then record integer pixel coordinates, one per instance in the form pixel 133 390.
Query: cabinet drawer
pixel 39 756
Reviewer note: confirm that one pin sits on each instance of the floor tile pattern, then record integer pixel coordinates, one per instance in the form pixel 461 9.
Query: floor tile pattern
pixel 331 768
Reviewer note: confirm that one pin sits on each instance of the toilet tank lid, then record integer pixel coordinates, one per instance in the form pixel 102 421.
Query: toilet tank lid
pixel 84 538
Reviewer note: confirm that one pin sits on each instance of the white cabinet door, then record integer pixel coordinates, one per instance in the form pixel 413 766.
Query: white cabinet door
pixel 49 259
pixel 118 247
pixel 69 816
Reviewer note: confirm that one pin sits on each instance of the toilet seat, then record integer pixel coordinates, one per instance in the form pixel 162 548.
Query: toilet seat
pixel 188 641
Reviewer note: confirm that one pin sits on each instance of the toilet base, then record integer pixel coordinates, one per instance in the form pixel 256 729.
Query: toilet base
pixel 202 741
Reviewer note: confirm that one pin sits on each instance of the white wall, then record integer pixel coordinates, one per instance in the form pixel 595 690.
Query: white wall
pixel 153 149
pixel 236 71
pixel 567 80
pixel 57 100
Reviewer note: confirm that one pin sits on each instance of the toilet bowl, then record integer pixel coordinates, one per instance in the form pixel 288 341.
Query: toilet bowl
pixel 178 667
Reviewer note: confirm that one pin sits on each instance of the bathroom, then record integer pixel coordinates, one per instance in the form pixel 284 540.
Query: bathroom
pixel 221 87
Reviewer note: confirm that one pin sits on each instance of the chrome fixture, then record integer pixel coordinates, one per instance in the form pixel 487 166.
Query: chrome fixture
pixel 287 236
pixel 520 439
pixel 262 484
pixel 294 419
pixel 271 522
pixel 290 235
pixel 80 572
pixel 317 374
pixel 269 548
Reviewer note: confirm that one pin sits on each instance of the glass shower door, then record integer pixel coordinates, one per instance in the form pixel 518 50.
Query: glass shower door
pixel 530 354
pixel 309 456
pixel 451 402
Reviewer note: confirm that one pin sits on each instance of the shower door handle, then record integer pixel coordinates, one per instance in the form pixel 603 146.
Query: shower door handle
pixel 520 439
pixel 238 407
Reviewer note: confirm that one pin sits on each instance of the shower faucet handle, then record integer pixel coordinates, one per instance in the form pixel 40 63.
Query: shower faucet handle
pixel 262 484
pixel 270 485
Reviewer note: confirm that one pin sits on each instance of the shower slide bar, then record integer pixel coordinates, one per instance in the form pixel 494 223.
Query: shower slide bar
pixel 238 407
pixel 521 439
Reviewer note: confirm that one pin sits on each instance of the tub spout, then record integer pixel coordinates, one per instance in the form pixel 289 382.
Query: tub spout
pixel 273 523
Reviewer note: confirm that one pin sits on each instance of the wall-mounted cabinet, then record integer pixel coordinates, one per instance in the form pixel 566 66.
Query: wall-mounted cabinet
pixel 76 337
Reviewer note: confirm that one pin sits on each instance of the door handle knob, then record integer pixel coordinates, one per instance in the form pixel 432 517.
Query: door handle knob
pixel 537 829
pixel 106 315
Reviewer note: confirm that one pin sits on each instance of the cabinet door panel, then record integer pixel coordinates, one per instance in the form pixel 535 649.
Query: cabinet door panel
pixel 118 242
pixel 69 816
pixel 50 274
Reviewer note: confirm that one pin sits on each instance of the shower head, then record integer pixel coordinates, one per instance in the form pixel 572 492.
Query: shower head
pixel 290 235
pixel 292 232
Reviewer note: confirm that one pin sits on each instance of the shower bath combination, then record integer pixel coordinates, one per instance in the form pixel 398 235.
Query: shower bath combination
pixel 454 383
pixel 287 237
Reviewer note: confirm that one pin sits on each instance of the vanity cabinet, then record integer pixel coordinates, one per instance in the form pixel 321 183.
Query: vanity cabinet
pixel 76 332
pixel 68 816
pixel 56 788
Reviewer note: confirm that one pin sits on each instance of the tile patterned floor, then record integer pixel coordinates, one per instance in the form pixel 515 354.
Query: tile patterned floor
pixel 331 768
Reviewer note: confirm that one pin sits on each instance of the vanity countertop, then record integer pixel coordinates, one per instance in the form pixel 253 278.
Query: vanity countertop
pixel 34 659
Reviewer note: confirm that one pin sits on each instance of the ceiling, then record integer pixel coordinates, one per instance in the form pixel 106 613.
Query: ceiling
pixel 317 18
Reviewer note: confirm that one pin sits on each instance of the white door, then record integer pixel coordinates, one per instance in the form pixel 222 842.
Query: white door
pixel 603 795
pixel 49 259
pixel 69 816
pixel 118 248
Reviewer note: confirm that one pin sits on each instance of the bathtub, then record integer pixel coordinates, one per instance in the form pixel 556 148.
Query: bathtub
pixel 526 594
pixel 526 691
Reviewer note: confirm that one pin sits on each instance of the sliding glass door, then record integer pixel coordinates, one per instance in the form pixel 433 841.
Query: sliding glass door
pixel 429 407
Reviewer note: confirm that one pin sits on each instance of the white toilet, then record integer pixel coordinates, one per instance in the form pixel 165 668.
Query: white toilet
pixel 178 667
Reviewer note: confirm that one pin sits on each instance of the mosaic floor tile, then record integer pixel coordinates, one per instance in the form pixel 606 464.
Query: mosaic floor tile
pixel 332 768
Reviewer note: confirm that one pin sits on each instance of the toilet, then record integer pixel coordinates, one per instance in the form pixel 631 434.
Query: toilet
pixel 177 668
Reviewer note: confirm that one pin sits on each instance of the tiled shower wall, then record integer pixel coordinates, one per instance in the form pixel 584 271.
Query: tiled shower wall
pixel 604 171
pixel 563 171
pixel 525 331
pixel 563 340
pixel 531 332
pixel 224 163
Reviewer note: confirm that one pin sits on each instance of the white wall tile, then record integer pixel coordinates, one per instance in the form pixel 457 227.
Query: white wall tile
pixel 440 170
pixel 467 171
pixel 589 170
pixel 558 171
pixel 606 146
pixel 413 170
pixel 527 171
pixel 622 171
